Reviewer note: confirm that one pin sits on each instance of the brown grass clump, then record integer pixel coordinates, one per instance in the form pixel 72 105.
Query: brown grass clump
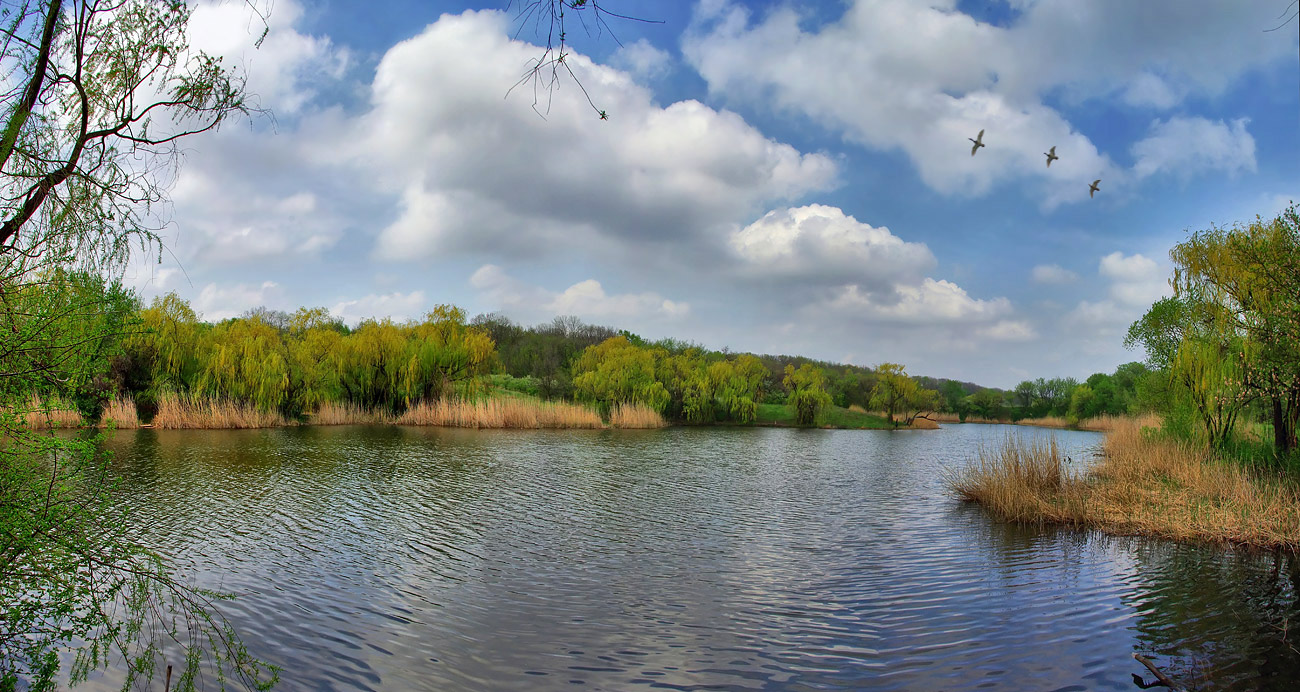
pixel 180 413
pixel 925 423
pixel 501 413
pixel 1019 481
pixel 343 413
pixel 120 413
pixel 1109 423
pixel 1142 485
pixel 1045 422
pixel 45 415
pixel 635 416
pixel 857 408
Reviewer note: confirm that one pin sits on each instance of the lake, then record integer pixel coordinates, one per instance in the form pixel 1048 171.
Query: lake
pixel 387 558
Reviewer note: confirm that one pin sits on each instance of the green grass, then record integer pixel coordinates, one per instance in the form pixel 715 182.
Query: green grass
pixel 835 417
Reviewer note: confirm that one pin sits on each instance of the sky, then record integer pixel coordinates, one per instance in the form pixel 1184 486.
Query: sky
pixel 773 177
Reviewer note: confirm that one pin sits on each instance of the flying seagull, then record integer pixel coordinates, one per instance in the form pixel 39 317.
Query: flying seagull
pixel 1092 189
pixel 979 142
pixel 1051 156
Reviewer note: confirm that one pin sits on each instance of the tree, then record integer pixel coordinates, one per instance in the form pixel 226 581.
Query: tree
pixel 896 392
pixel 617 372
pixel 98 99
pixel 808 395
pixel 1244 283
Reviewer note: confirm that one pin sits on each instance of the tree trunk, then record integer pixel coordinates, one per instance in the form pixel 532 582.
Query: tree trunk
pixel 1280 442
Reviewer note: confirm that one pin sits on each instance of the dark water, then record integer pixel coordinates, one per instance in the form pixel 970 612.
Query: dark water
pixel 723 559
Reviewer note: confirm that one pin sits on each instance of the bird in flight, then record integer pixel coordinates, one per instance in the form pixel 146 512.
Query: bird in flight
pixel 1092 189
pixel 979 142
pixel 1051 156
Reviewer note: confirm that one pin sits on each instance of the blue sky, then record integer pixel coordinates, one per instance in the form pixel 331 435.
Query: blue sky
pixel 779 177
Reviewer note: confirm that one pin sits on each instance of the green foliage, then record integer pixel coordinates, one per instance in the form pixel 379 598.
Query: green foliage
pixel 617 372
pixel 896 392
pixel 808 395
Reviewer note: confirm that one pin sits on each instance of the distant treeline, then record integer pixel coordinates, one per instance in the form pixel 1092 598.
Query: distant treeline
pixel 291 363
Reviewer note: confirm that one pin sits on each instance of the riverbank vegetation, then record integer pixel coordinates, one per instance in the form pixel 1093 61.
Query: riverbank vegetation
pixel 1144 483
pixel 1220 460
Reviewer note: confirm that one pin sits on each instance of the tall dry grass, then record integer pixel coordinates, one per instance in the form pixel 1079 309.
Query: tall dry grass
pixel 1045 422
pixel 635 416
pixel 182 412
pixel 1143 484
pixel 45 415
pixel 501 413
pixel 343 413
pixel 1109 423
pixel 120 413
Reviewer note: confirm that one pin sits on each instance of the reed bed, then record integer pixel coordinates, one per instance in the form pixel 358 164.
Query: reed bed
pixel 501 413
pixel 343 413
pixel 184 413
pixel 45 415
pixel 1109 423
pixel 1143 484
pixel 120 413
pixel 1045 422
pixel 925 423
pixel 635 416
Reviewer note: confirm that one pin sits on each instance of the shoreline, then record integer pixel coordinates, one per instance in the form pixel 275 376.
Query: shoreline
pixel 1141 485
pixel 496 412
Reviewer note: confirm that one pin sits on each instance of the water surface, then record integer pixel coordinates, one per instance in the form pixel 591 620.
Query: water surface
pixel 724 559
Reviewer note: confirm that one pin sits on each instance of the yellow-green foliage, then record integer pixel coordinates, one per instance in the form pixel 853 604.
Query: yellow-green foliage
pixel 442 351
pixel 896 392
pixel 244 360
pixel 168 342
pixel 617 372
pixel 808 393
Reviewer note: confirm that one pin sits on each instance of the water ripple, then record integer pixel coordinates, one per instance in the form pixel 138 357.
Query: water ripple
pixel 682 559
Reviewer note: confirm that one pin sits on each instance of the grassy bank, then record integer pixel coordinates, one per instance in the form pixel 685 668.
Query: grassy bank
pixel 1104 423
pixel 781 415
pixel 1142 485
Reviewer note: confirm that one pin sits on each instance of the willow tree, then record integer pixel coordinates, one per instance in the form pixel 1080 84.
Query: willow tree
pixel 1244 283
pixel 96 101
pixel 898 393
pixel 617 372
pixel 808 395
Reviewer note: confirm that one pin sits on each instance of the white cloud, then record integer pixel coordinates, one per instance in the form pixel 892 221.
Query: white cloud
pixel 399 306
pixel 483 171
pixel 1134 283
pixel 822 244
pixel 930 302
pixel 643 60
pixel 285 70
pixel 586 299
pixel 1184 146
pixel 921 77
pixel 1053 274
pixel 1009 330
pixel 216 303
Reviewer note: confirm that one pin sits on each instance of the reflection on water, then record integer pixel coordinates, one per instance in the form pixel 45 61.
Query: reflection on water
pixel 732 559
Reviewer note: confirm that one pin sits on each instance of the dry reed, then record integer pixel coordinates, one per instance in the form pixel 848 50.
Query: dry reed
pixel 1142 485
pixel 920 423
pixel 635 416
pixel 120 413
pixel 501 413
pixel 44 415
pixel 343 413
pixel 179 412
